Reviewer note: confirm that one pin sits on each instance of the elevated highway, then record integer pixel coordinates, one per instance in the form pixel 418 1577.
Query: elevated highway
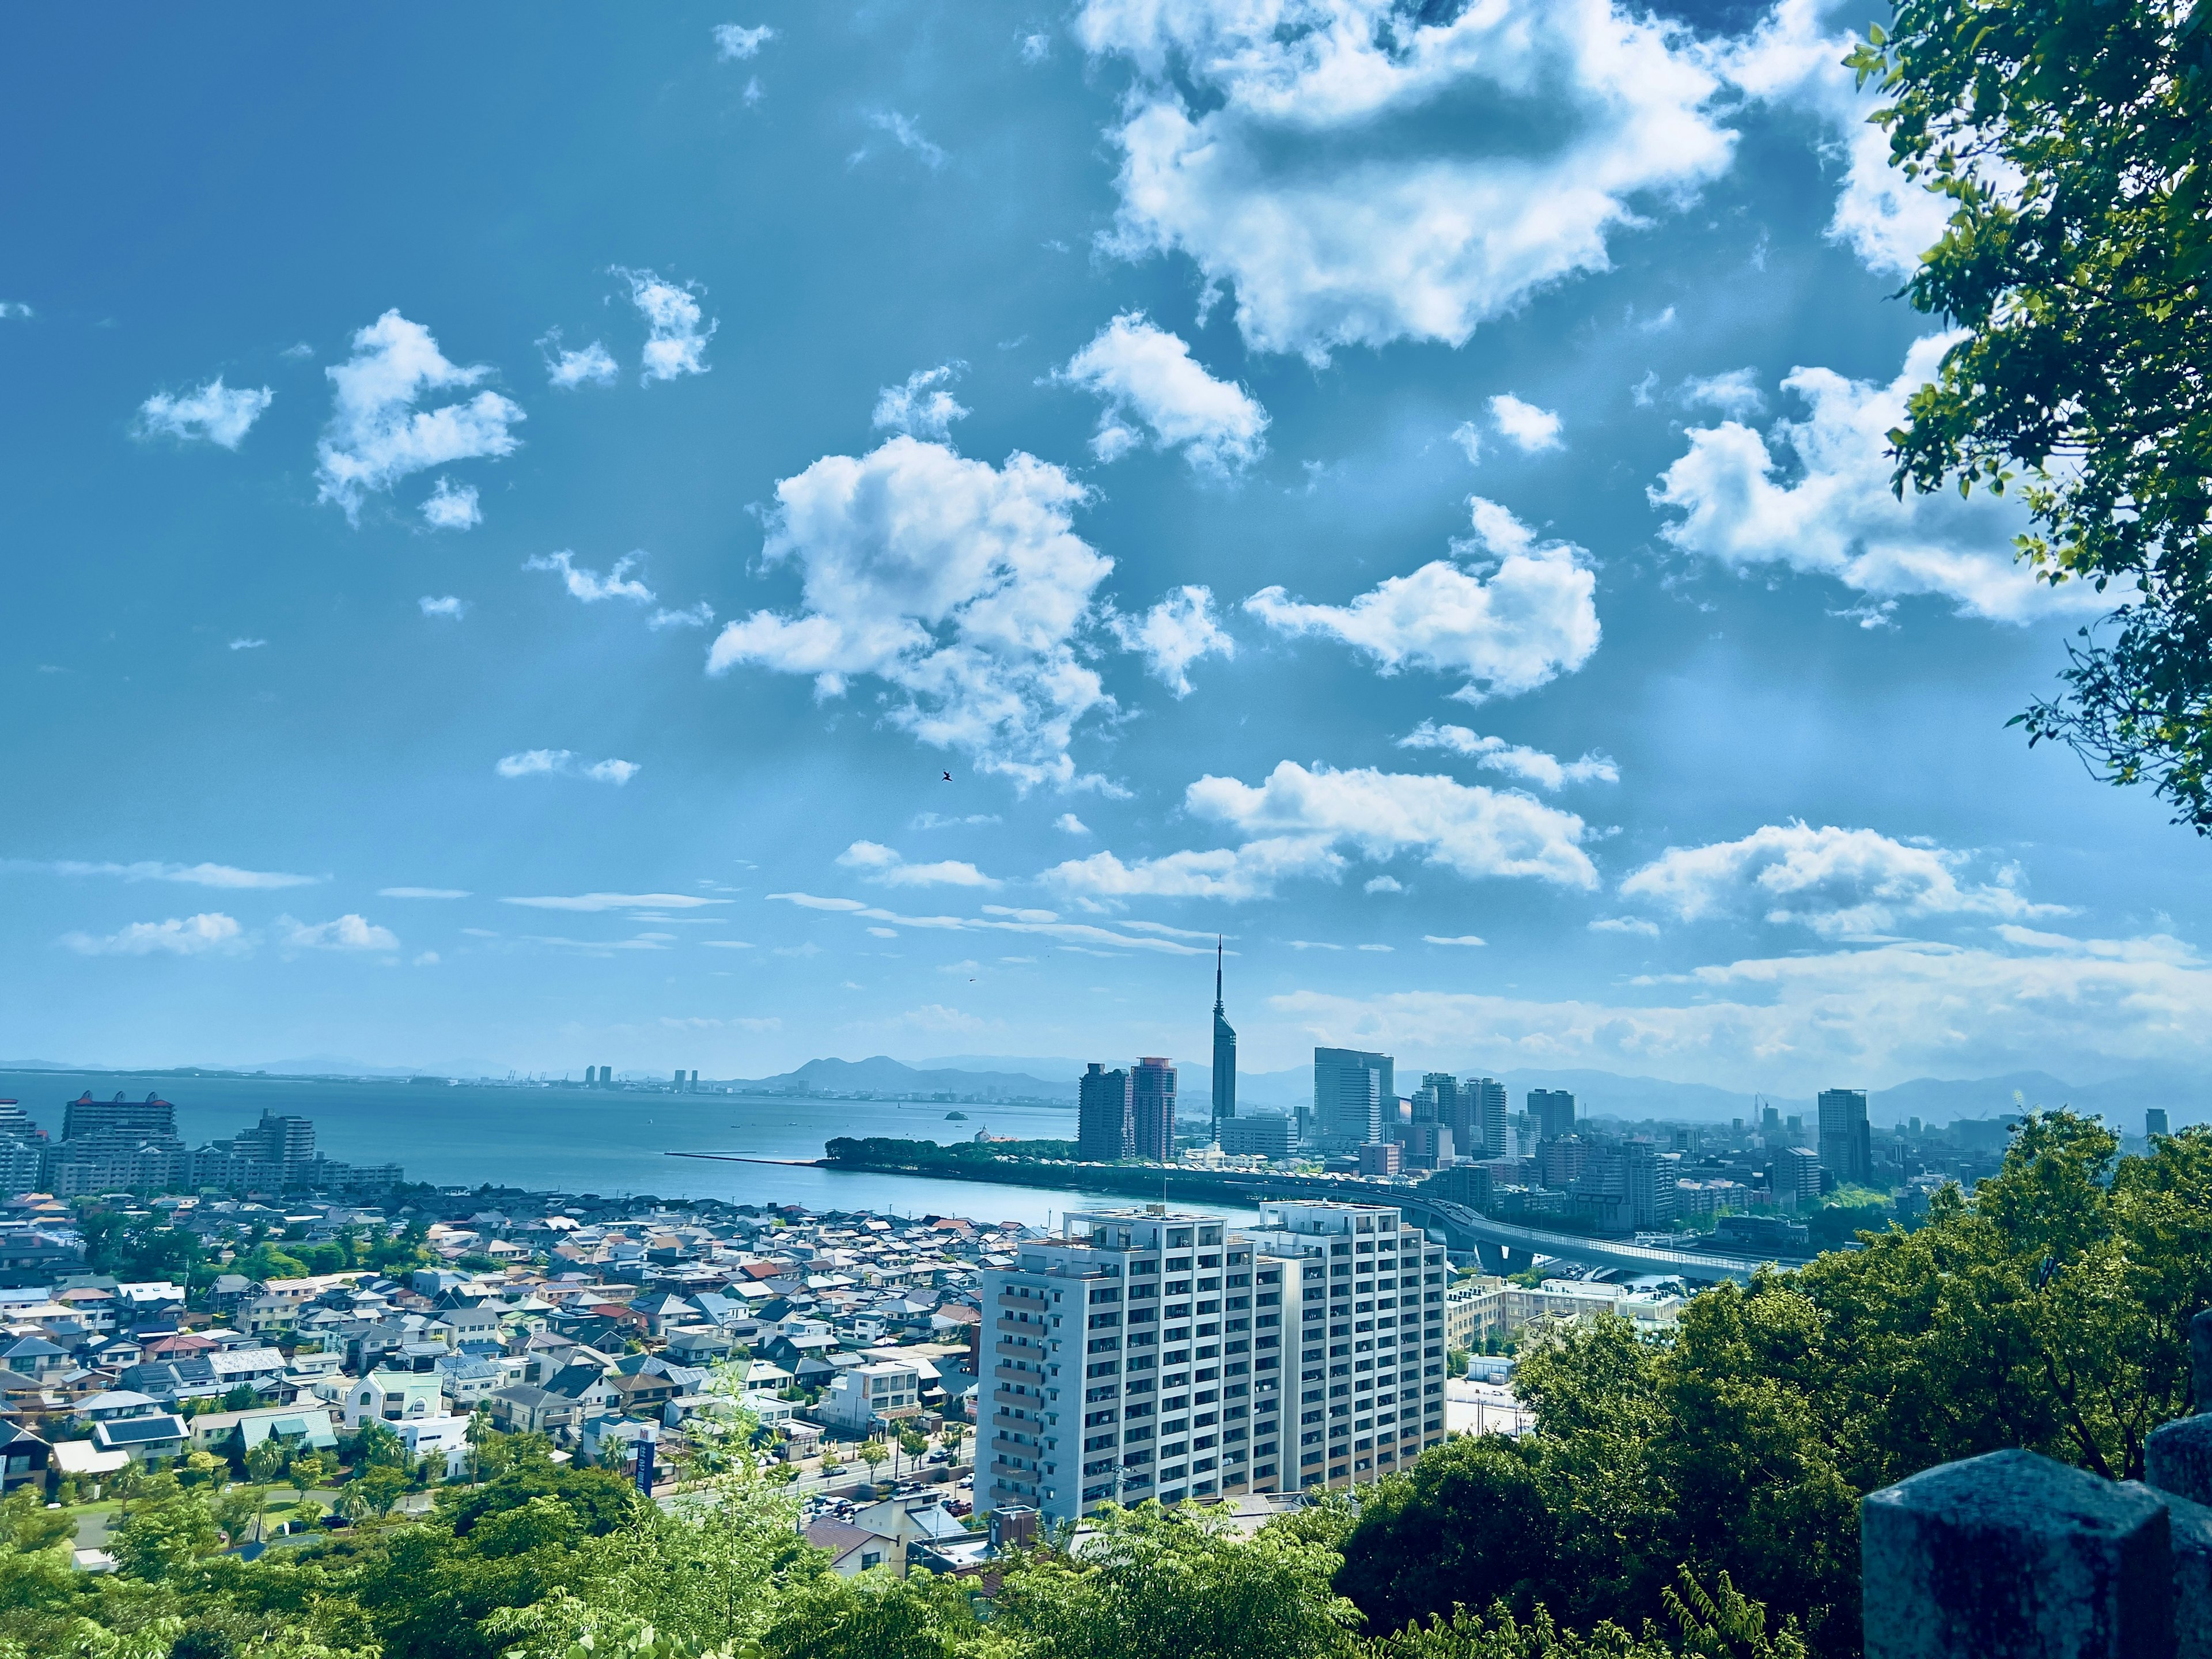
pixel 1505 1247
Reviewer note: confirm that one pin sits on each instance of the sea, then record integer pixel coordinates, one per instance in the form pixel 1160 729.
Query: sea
pixel 616 1143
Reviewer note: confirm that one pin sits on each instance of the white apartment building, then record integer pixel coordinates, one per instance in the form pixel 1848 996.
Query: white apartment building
pixel 393 1397
pixel 1149 1353
pixel 867 1397
pixel 1370 1337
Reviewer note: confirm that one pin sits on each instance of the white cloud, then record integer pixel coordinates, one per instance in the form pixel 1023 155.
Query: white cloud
pixel 190 875
pixel 449 606
pixel 1638 925
pixel 347 933
pixel 1004 919
pixel 209 934
pixel 1836 517
pixel 735 41
pixel 1515 760
pixel 377 435
pixel 1528 428
pixel 1469 436
pixel 1791 61
pixel 675 344
pixel 1794 1024
pixel 451 507
pixel 1035 49
pixel 593 903
pixel 693 616
pixel 1310 823
pixel 1469 939
pixel 938 821
pixel 886 868
pixel 538 763
pixel 588 584
pixel 422 892
pixel 960 584
pixel 907 133
pixel 594 366
pixel 1736 394
pixel 1068 824
pixel 1174 634
pixel 1839 883
pixel 217 413
pixel 1144 373
pixel 1383 884
pixel 426 959
pixel 248 644
pixel 924 407
pixel 1359 174
pixel 13 308
pixel 1531 616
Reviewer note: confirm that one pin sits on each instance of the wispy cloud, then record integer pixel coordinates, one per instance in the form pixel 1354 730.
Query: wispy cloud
pixel 907 133
pixel 735 41
pixel 675 344
pixel 692 616
pixel 451 507
pixel 886 868
pixel 592 366
pixel 588 584
pixel 595 902
pixel 924 407
pixel 209 934
pixel 1002 919
pixel 449 606
pixel 247 645
pixel 347 933
pixel 422 892
pixel 190 875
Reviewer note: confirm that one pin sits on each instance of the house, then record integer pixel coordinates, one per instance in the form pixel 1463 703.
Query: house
pixel 698 1344
pixel 437 1437
pixel 620 1434
pixel 294 1426
pixel 393 1397
pixel 853 1550
pixel 523 1409
pixel 467 1379
pixel 143 1439
pixel 117 1403
pixel 588 1385
pixel 867 1397
pixel 23 1458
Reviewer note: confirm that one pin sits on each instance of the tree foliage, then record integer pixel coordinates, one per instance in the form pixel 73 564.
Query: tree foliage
pixel 2072 138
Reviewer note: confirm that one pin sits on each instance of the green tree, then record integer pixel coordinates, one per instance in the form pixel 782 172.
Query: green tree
pixel 380 1488
pixel 1155 1583
pixel 166 1529
pixel 265 1463
pixel 872 1454
pixel 2072 138
pixel 875 1616
pixel 377 1445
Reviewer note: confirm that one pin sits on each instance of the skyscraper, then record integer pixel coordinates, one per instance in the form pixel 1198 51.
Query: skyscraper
pixel 1152 1109
pixel 1352 1091
pixel 1486 1116
pixel 1846 1143
pixel 1103 1127
pixel 2154 1120
pixel 1554 1112
pixel 1225 1053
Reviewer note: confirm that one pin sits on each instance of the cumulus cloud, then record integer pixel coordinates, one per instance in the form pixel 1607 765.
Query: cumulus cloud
pixel 1639 924
pixel 1794 1024
pixel 884 868
pixel 1527 428
pixel 347 933
pixel 449 606
pixel 1510 621
pixel 675 344
pixel 1174 634
pixel 215 412
pixel 1835 515
pixel 1839 883
pixel 451 507
pixel 565 763
pixel 209 934
pixel 924 407
pixel 1794 60
pixel 377 435
pixel 1515 760
pixel 1147 376
pixel 592 366
pixel 190 875
pixel 1357 174
pixel 1736 394
pixel 961 586
pixel 589 585
pixel 1006 919
pixel 735 41
pixel 1383 884
pixel 1068 824
pixel 1303 823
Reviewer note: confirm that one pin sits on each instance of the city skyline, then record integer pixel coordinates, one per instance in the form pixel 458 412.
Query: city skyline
pixel 447 622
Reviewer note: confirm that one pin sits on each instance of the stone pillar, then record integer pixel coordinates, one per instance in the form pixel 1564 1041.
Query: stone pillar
pixel 2192 1525
pixel 2200 1356
pixel 2013 1556
pixel 2178 1456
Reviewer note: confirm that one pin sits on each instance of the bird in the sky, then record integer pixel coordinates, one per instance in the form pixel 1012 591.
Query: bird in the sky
pixel 948 777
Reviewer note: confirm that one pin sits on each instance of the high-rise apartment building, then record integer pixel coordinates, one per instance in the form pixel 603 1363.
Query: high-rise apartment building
pixel 1224 1054
pixel 1261 1135
pixel 280 1140
pixel 1652 1175
pixel 1146 1353
pixel 1554 1112
pixel 1486 1118
pixel 1354 1093
pixel 1846 1142
pixel 1152 1109
pixel 1796 1176
pixel 150 1119
pixel 1104 1124
pixel 2154 1120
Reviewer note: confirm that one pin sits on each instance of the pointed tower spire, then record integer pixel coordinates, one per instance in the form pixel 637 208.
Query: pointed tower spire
pixel 1216 977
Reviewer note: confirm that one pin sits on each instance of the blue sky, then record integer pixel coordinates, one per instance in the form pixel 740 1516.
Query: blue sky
pixel 512 514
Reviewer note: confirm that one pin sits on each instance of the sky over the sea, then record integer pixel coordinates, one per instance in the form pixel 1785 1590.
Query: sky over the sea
pixel 704 536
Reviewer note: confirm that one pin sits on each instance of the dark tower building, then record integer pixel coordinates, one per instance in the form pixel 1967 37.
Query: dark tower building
pixel 150 1119
pixel 1224 1054
pixel 1846 1145
pixel 1152 1109
pixel 1103 1128
pixel 1554 1112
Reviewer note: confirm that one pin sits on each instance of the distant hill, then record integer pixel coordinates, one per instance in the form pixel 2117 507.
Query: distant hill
pixel 880 1074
